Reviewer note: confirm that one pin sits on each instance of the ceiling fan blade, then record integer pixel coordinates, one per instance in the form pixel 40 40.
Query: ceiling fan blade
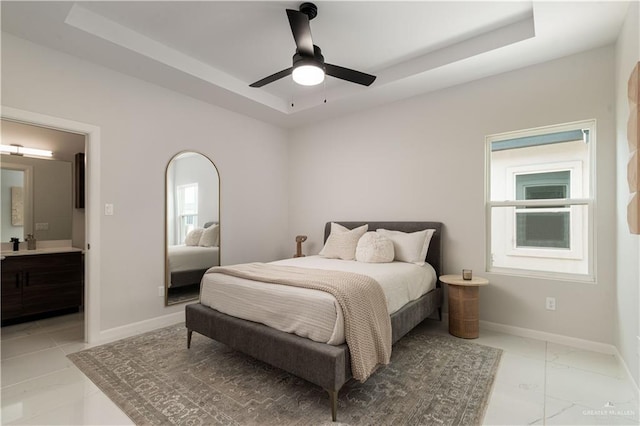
pixel 301 30
pixel 272 78
pixel 349 74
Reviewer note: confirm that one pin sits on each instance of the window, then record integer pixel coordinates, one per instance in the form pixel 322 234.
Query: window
pixel 543 226
pixel 540 201
pixel 187 196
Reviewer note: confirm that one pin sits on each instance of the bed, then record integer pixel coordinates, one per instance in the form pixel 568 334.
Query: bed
pixel 326 365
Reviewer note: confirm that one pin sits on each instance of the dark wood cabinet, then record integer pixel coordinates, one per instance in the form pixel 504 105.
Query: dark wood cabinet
pixel 40 283
pixel 11 289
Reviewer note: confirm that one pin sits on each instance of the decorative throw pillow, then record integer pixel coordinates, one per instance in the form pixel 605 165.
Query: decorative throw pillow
pixel 210 236
pixel 374 248
pixel 193 237
pixel 410 247
pixel 342 242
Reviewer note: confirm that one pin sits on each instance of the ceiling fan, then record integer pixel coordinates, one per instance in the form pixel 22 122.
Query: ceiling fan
pixel 309 67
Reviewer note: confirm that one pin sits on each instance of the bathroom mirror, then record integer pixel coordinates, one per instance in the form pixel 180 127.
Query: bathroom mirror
pixel 192 224
pixel 36 198
pixel 16 197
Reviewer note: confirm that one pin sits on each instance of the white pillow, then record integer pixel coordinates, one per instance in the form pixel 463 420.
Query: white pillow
pixel 193 237
pixel 342 242
pixel 410 247
pixel 210 236
pixel 374 248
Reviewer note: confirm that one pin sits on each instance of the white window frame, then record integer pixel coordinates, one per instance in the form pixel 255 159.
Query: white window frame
pixel 181 217
pixel 574 204
pixel 576 243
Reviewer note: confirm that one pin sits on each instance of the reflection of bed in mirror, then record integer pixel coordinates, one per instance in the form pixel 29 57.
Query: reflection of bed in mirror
pixel 188 262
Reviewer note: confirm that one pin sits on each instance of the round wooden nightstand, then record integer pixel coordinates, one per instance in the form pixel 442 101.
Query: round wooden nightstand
pixel 463 305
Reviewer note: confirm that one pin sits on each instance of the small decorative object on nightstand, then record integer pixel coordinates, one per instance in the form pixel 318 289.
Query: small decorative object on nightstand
pixel 299 240
pixel 463 305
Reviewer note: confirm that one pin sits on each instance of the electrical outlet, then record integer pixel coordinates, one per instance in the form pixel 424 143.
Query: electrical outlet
pixel 551 304
pixel 108 209
pixel 161 291
pixel 42 226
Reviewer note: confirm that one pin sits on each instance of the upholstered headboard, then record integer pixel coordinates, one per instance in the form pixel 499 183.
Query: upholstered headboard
pixel 434 255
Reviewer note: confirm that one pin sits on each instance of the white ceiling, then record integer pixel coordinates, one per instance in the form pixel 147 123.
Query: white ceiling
pixel 213 50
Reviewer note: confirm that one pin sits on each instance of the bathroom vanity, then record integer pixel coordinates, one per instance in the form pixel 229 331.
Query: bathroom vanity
pixel 40 282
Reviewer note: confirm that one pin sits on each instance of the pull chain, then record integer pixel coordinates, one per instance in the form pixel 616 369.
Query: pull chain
pixel 292 92
pixel 324 90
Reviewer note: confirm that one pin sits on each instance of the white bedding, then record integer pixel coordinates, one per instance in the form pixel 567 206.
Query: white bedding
pixel 187 258
pixel 313 314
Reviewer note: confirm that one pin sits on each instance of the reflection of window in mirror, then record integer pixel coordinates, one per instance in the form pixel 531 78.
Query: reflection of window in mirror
pixel 187 196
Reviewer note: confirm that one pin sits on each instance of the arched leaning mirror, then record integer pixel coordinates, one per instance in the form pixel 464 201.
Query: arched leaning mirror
pixel 192 224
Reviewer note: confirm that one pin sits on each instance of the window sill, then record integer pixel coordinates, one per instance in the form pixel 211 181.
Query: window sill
pixel 555 276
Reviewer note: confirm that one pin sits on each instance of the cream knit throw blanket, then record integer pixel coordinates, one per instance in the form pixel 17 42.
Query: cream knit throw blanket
pixel 364 306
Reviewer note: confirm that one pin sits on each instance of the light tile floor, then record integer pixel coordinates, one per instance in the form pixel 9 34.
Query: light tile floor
pixel 538 382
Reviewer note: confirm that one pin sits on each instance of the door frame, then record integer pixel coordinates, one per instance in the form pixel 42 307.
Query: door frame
pixel 92 207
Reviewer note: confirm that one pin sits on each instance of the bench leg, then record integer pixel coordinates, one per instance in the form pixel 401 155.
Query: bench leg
pixel 333 400
pixel 189 333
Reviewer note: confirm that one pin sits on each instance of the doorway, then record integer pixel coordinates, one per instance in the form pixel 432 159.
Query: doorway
pixel 91 224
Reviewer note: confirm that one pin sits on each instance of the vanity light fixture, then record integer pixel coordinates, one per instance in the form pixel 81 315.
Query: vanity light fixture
pixel 15 149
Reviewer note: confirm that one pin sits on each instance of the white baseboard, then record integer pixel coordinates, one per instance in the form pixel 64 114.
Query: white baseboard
pixel 634 384
pixel 550 337
pixel 563 340
pixel 140 327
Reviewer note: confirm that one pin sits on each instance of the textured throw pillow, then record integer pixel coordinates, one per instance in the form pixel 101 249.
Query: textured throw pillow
pixel 374 248
pixel 342 242
pixel 193 237
pixel 210 236
pixel 410 247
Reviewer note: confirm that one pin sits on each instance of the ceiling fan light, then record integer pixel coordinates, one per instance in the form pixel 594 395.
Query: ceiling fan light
pixel 308 75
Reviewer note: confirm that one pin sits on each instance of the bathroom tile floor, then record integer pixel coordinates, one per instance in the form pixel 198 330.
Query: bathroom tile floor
pixel 538 382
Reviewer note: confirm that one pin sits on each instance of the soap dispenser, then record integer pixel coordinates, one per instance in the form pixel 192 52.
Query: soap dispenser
pixel 16 243
pixel 31 242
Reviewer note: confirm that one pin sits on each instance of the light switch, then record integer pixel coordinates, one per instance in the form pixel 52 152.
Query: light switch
pixel 108 209
pixel 42 226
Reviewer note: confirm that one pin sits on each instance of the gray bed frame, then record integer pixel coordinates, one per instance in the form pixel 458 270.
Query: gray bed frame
pixel 325 365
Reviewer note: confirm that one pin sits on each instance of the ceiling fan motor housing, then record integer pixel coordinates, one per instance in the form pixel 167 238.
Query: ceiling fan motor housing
pixel 317 59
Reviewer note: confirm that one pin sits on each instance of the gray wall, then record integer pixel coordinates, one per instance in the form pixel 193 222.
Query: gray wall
pixel 423 159
pixel 142 126
pixel 627 295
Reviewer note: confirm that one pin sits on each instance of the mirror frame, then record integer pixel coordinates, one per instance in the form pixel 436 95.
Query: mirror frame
pixel 166 224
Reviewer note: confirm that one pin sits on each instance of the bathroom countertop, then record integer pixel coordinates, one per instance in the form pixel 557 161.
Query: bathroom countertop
pixel 46 250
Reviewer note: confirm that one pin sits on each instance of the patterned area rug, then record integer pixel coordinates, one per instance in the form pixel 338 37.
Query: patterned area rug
pixel 156 380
